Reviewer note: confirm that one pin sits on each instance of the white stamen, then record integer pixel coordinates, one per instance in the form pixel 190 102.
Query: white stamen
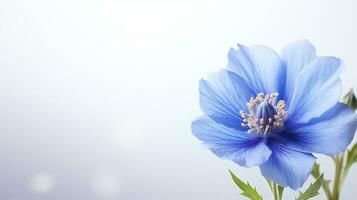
pixel 261 125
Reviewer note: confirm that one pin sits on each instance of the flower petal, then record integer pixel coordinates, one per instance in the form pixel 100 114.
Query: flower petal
pixel 317 89
pixel 260 66
pixel 329 134
pixel 223 96
pixel 244 149
pixel 295 57
pixel 287 167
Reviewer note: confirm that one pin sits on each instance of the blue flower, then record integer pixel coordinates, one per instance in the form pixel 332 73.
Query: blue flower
pixel 275 111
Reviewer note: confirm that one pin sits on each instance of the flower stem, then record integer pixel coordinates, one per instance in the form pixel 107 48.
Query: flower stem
pixel 275 191
pixel 325 187
pixel 337 182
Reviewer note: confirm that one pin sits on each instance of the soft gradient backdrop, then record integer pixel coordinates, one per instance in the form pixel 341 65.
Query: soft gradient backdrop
pixel 97 97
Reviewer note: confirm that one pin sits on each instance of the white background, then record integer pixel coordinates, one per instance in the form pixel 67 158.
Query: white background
pixel 97 97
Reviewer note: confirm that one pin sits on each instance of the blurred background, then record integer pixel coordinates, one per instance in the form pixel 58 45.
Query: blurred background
pixel 97 97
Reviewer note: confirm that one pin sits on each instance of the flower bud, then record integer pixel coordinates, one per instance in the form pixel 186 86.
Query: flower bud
pixel 350 99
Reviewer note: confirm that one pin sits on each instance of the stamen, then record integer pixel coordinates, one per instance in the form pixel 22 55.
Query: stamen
pixel 265 115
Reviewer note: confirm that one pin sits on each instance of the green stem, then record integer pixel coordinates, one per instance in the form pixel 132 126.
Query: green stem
pixel 337 182
pixel 345 169
pixel 326 189
pixel 275 192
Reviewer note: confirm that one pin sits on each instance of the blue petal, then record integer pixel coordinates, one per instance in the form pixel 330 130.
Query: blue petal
pixel 260 66
pixel 287 167
pixel 295 57
pixel 329 134
pixel 244 149
pixel 223 96
pixel 317 89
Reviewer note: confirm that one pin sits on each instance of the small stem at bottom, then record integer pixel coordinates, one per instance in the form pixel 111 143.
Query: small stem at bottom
pixel 275 192
pixel 337 182
pixel 325 187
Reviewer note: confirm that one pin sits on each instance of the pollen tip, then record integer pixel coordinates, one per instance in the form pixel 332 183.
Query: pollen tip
pixel 265 115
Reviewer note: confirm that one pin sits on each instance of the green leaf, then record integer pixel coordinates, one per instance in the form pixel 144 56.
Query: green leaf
pixel 316 174
pixel 280 190
pixel 312 190
pixel 351 157
pixel 316 170
pixel 326 183
pixel 247 190
pixel 350 99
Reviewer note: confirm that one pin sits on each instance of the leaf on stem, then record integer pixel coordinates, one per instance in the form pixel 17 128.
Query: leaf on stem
pixel 316 174
pixel 315 170
pixel 247 190
pixel 312 190
pixel 351 157
pixel 350 99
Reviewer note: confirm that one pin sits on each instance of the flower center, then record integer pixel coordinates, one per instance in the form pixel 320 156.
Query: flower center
pixel 265 115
